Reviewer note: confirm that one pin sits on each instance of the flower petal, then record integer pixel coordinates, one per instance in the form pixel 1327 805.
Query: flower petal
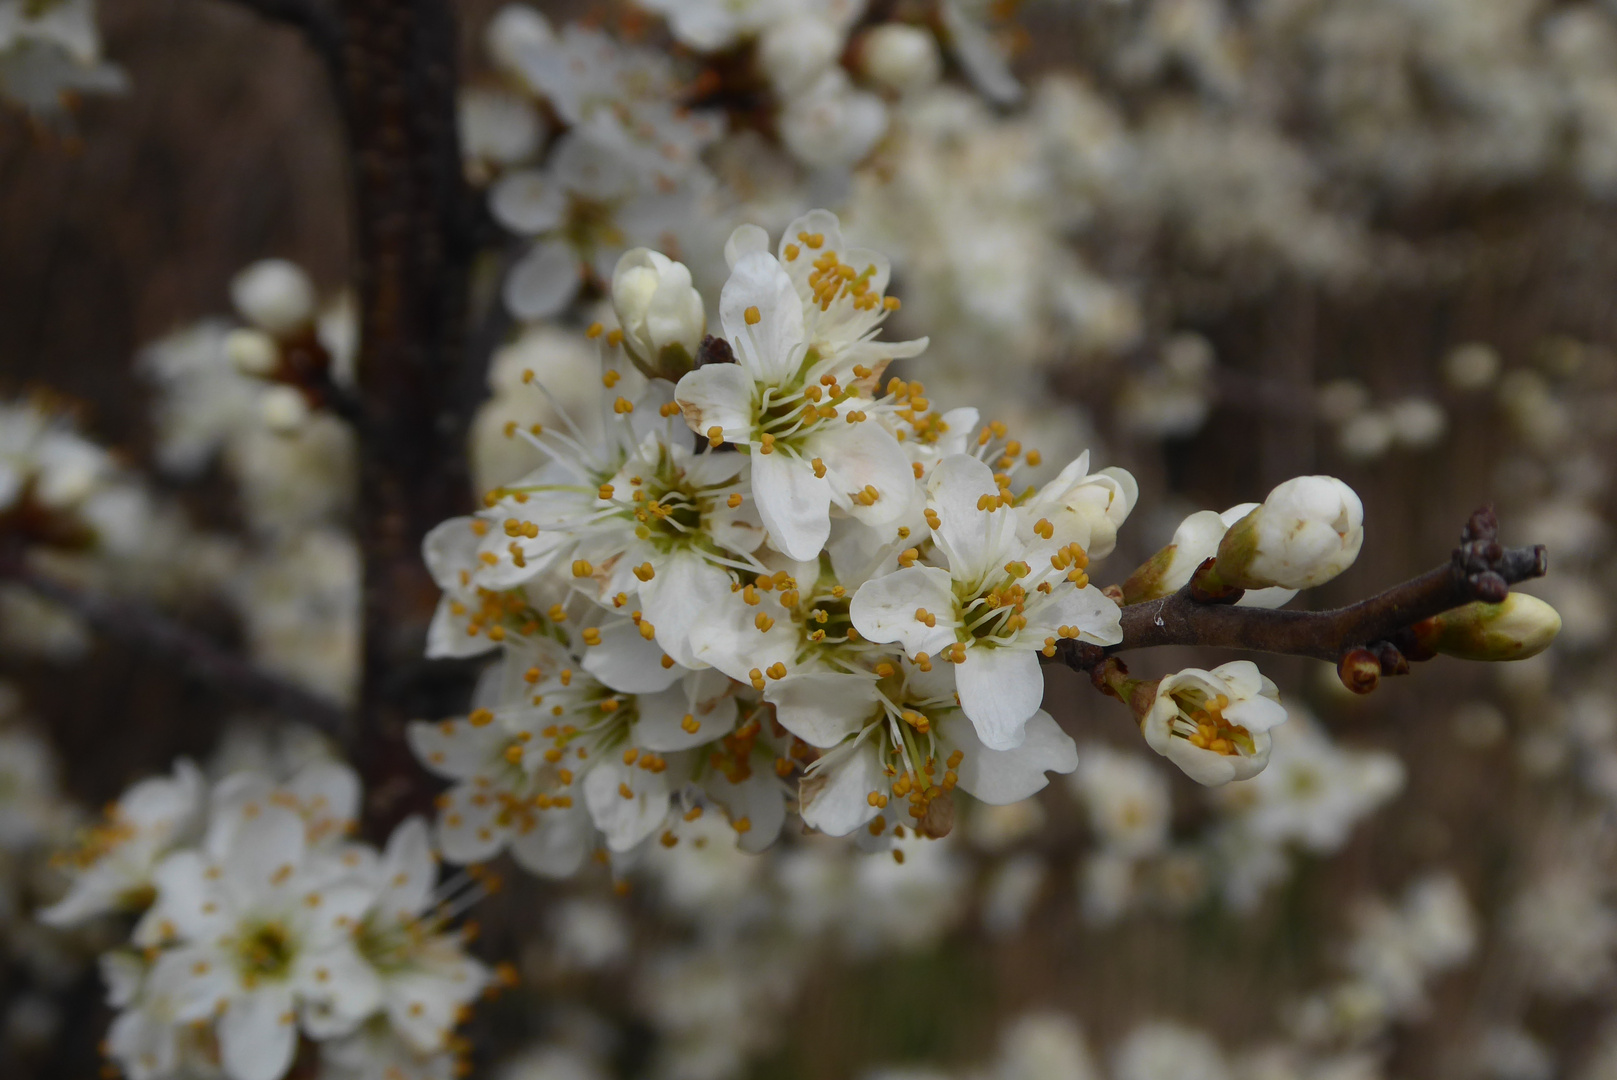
pixel 1000 777
pixel 767 342
pixel 1000 689
pixel 793 503
pixel 719 395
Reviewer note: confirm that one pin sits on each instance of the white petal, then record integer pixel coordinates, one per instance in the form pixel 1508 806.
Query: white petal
pixel 625 821
pixel 759 800
pixel 453 749
pixel 861 455
pixel 768 348
pixel 1097 618
pixel 703 700
pixel 556 845
pixel 972 539
pixel 719 395
pixel 745 240
pixel 793 503
pixel 1006 776
pixel 544 282
pixel 257 1034
pixel 408 870
pixel 467 826
pixel 999 690
pixel 823 707
pixel 626 662
pixel 884 609
pixel 527 202
pixel 835 796
pixel 677 598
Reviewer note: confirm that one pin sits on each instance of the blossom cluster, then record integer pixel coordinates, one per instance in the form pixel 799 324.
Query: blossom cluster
pixel 770 566
pixel 260 921
pixel 50 52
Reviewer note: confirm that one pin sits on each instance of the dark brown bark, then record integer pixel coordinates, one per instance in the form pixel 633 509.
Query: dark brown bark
pixel 413 220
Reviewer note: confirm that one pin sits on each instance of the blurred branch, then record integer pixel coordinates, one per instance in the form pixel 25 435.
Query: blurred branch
pixel 313 18
pixel 1479 569
pixel 151 631
pixel 415 237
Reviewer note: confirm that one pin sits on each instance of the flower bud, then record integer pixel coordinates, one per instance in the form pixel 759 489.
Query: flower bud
pixel 1195 541
pixel 1214 724
pixel 252 352
pixel 900 58
pixel 283 408
pixel 1518 627
pixel 1306 532
pixel 662 316
pixel 275 296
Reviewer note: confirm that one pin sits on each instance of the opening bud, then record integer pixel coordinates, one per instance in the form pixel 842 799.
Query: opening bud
pixel 661 314
pixel 275 296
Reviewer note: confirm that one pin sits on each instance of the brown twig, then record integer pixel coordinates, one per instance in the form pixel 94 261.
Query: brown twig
pixel 143 628
pixel 1480 569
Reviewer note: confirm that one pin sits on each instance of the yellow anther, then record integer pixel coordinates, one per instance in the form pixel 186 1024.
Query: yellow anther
pixel 767 443
pixel 582 568
pixel 752 315
pixel 715 436
pixel 645 572
pixel 734 500
pixel 594 331
pixel 480 718
pixel 819 468
pixel 763 622
pixel 691 725
pixel 592 636
pixel 622 406
pixel 610 379
pixel 647 631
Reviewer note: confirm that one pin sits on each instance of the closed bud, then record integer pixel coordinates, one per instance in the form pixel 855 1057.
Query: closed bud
pixel 662 316
pixel 1195 541
pixel 283 409
pixel 1518 627
pixel 1305 533
pixel 275 296
pixel 252 352
pixel 900 57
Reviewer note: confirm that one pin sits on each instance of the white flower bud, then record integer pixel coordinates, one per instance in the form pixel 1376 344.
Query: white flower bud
pixel 275 296
pixel 252 352
pixel 1214 724
pixel 1195 541
pixel 513 34
pixel 662 316
pixel 1514 629
pixel 283 408
pixel 900 58
pixel 1306 532
pixel 794 52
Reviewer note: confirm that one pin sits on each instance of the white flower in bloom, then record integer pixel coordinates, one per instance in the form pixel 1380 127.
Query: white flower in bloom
pixel 625 101
pixel 375 1052
pixel 831 124
pixel 424 976
pixel 799 401
pixel 497 130
pixel 112 869
pixel 1001 601
pixel 1127 799
pixel 585 207
pixel 41 455
pixel 660 524
pixel 1215 724
pixel 1160 1050
pixel 51 51
pixel 324 793
pixel 263 940
pixel 1082 508
pixel 1313 791
pixel 1044 1046
pixel 1306 532
pixel 895 741
pixel 659 311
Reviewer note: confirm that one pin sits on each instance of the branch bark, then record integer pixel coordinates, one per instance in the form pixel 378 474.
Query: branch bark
pixel 144 629
pixel 414 223
pixel 1479 569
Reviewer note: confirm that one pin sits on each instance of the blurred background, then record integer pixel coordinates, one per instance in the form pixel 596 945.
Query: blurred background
pixel 1217 242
